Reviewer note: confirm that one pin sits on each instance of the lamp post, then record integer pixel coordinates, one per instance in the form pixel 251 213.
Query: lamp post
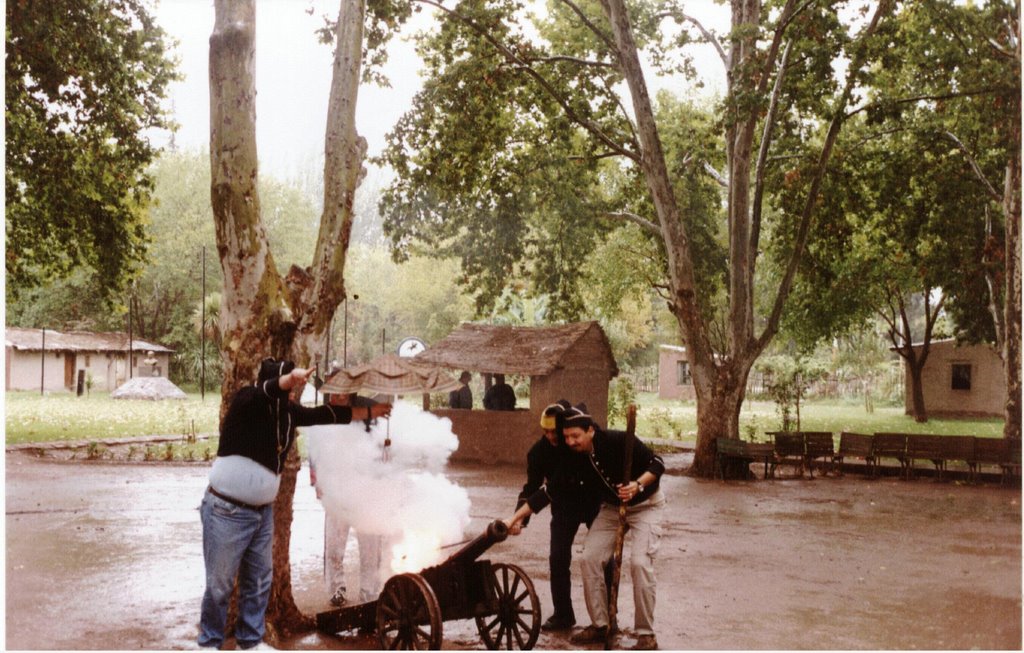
pixel 344 353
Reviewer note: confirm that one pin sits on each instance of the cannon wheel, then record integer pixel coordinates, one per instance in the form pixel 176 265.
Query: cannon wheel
pixel 516 625
pixel 408 615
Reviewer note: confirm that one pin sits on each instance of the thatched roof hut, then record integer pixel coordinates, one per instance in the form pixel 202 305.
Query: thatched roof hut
pixel 570 361
pixel 532 351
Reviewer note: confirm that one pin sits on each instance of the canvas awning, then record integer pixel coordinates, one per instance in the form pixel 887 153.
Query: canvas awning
pixel 393 375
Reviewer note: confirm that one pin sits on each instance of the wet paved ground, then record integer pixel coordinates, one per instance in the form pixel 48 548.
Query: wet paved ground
pixel 108 556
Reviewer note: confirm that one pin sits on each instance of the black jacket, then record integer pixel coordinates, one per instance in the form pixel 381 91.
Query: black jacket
pixel 261 421
pixel 554 475
pixel 606 462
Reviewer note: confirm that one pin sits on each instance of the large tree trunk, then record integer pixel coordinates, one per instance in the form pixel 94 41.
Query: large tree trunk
pixel 720 377
pixel 718 411
pixel 1012 305
pixel 261 313
pixel 917 406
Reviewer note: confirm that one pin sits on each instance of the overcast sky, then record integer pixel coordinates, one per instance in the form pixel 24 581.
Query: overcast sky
pixel 293 76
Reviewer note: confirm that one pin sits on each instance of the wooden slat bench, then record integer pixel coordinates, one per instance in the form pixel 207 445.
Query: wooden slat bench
pixel 855 445
pixel 925 447
pixel 789 450
pixel 1011 464
pixel 988 451
pixel 730 449
pixel 958 448
pixel 818 444
pixel 891 445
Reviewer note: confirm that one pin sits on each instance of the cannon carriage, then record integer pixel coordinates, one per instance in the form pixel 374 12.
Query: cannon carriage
pixel 412 607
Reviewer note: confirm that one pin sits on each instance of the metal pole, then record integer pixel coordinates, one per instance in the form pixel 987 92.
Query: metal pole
pixel 202 331
pixel 42 366
pixel 131 352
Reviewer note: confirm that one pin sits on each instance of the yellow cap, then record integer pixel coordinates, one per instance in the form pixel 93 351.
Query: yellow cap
pixel 547 422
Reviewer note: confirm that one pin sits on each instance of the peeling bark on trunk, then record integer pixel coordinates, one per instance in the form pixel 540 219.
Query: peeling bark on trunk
pixel 1012 308
pixel 261 313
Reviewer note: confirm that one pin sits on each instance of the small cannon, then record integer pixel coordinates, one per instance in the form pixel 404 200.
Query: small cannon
pixel 411 607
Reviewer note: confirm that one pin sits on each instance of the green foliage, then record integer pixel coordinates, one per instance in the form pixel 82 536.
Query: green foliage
pixel 96 451
pixel 788 380
pixel 904 209
pixel 416 298
pixel 662 424
pixel 83 81
pixel 30 417
pixel 621 394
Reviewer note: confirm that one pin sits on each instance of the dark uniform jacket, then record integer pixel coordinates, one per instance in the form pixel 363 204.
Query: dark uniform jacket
pixel 554 475
pixel 606 463
pixel 261 421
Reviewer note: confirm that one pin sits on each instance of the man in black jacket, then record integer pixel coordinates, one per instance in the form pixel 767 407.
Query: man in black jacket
pixel 606 455
pixel 237 509
pixel 553 477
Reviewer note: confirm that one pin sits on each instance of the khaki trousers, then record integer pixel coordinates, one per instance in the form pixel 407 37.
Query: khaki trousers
pixel 643 538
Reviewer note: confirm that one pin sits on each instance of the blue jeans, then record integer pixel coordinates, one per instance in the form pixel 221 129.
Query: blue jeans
pixel 236 542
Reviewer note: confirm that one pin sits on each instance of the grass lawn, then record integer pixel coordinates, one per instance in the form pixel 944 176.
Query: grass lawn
pixel 671 419
pixel 30 417
pixel 34 418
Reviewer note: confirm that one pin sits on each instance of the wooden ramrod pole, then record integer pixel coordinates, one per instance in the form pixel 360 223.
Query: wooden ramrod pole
pixel 620 534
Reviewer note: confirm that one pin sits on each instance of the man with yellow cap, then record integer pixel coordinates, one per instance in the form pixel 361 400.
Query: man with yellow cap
pixel 553 477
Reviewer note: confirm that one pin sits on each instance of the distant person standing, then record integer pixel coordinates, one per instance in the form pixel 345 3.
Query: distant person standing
pixel 463 397
pixel 500 396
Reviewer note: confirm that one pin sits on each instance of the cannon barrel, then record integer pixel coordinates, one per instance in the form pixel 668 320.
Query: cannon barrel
pixel 496 532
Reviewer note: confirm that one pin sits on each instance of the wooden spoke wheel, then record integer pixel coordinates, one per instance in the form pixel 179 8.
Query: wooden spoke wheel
pixel 516 624
pixel 408 615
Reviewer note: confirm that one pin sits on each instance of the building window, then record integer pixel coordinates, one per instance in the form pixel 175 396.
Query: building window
pixel 683 373
pixel 961 376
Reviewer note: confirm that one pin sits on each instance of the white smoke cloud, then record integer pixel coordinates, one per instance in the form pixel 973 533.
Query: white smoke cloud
pixel 398 491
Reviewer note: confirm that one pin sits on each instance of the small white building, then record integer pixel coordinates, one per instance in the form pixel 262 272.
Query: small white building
pixel 959 381
pixel 55 361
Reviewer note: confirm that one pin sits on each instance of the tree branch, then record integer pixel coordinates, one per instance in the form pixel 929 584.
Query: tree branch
pixel 590 24
pixel 993 193
pixel 567 58
pixel 772 325
pixel 937 96
pixel 762 157
pixel 540 79
pixel 716 175
pixel 708 36
pixel 644 223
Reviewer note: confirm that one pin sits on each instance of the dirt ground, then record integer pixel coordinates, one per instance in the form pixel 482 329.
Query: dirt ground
pixel 108 556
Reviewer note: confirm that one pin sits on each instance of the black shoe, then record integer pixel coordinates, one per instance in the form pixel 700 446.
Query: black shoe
pixel 556 622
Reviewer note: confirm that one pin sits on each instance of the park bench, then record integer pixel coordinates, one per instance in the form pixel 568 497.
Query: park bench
pixel 958 448
pixel 788 450
pixel 1011 464
pixel 891 445
pixel 818 444
pixel 988 451
pixel 925 447
pixel 739 451
pixel 855 445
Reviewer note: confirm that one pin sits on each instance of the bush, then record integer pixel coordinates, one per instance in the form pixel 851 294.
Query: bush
pixel 620 395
